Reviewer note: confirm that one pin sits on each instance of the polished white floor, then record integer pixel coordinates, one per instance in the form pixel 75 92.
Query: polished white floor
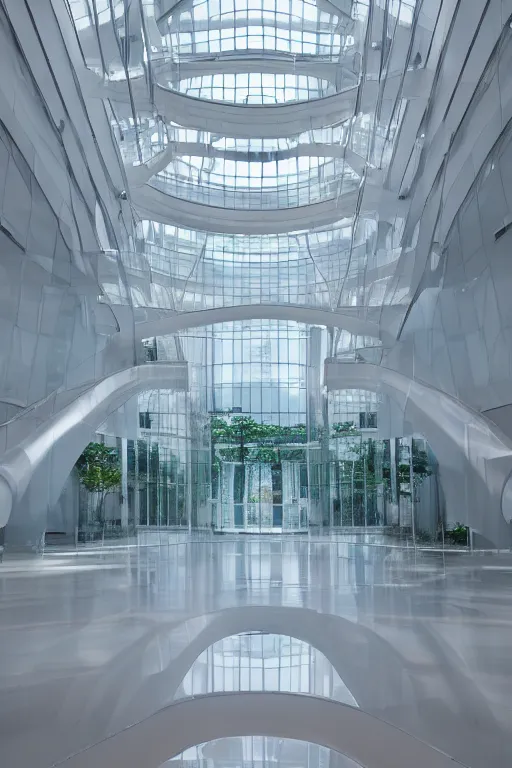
pixel 95 642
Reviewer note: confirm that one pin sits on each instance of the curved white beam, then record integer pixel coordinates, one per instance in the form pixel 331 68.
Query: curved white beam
pixel 54 445
pixel 240 21
pixel 157 205
pixel 171 323
pixel 246 121
pixel 140 174
pixel 365 739
pixel 475 459
pixel 260 61
pixel 255 121
pixel 313 149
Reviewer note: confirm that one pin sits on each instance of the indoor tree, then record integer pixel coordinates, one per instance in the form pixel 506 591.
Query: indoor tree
pixel 243 430
pixel 243 440
pixel 99 472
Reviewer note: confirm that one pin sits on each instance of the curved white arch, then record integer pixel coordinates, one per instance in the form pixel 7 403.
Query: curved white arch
pixel 53 446
pixel 252 121
pixel 365 739
pixel 161 324
pixel 255 121
pixel 152 203
pixel 279 63
pixel 239 121
pixel 475 459
pixel 249 121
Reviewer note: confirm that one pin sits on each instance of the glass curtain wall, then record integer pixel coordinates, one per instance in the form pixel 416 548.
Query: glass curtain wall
pixel 356 484
pixel 256 445
pixel 168 466
pixel 297 27
pixel 258 374
pixel 159 461
pixel 387 483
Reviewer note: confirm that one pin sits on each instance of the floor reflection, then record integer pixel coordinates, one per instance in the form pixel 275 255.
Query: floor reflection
pixel 94 642
pixel 283 569
pixel 258 752
pixel 255 661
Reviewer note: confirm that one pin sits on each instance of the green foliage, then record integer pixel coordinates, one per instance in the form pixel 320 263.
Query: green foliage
pixel 420 468
pixel 98 468
pixel 241 430
pixel 362 469
pixel 458 534
pixel 420 463
pixel 265 455
pixel 245 440
pixel 344 429
pixel 293 454
pixel 234 454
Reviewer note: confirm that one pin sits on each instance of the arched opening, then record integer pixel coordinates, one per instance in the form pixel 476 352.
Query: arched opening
pixel 259 751
pixel 264 661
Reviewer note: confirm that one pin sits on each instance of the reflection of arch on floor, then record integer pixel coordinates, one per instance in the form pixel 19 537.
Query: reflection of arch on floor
pixel 386 681
pixel 370 742
pixel 373 671
pixel 301 623
pixel 201 679
pixel 242 751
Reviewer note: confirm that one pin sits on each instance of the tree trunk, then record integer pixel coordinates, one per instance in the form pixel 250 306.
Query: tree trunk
pixel 99 508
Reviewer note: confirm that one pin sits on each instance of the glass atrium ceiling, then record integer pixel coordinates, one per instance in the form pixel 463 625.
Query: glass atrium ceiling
pixel 256 87
pixel 298 27
pixel 322 268
pixel 196 91
pixel 281 36
pixel 246 183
